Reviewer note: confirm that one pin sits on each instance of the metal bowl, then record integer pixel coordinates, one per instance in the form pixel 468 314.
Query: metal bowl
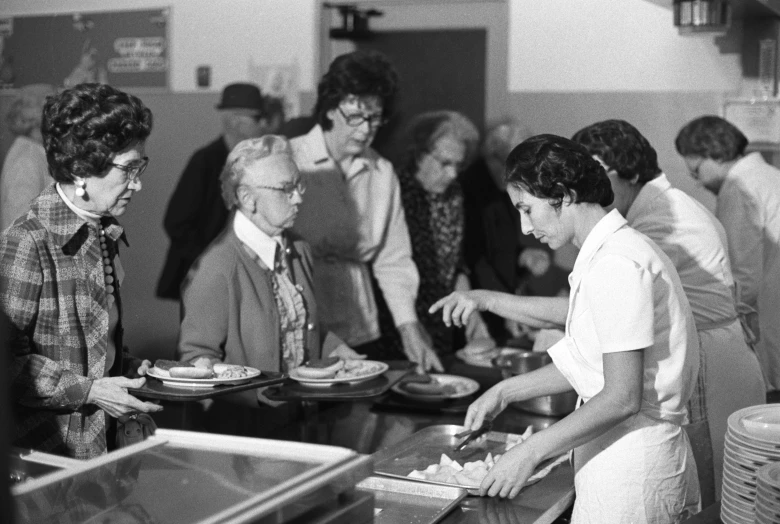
pixel 514 364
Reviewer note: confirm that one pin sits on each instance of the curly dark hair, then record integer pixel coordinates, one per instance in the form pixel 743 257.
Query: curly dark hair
pixel 622 147
pixel 711 137
pixel 556 168
pixel 360 73
pixel 85 126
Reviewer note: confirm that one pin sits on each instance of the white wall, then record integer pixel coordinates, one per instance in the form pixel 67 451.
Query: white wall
pixel 611 45
pixel 225 34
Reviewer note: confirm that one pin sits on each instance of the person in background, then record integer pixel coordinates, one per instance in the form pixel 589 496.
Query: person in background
pixel 353 218
pixel 439 144
pixel 498 255
pixel 248 299
pixel 196 213
pixel 274 114
pixel 25 171
pixel 61 278
pixel 730 376
pixel 748 206
pixel 630 349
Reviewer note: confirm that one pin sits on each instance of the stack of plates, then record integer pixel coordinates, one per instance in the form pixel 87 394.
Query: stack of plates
pixel 752 441
pixel 767 506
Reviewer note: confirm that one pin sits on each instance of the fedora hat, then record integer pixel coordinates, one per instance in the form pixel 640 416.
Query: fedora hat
pixel 242 96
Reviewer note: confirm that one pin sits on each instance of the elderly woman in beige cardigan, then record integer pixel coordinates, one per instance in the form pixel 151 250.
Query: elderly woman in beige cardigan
pixel 248 299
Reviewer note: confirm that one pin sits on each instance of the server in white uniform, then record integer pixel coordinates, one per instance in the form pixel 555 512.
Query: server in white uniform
pixel 630 350
pixel 748 191
pixel 696 243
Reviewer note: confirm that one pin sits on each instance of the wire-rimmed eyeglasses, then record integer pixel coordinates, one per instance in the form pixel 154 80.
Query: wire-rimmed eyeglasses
pixel 287 189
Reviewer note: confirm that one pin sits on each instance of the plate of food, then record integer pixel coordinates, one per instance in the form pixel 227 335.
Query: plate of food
pixel 436 387
pixel 329 371
pixel 184 374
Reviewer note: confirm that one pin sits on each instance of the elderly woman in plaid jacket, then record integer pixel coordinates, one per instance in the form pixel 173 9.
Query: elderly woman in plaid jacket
pixel 61 277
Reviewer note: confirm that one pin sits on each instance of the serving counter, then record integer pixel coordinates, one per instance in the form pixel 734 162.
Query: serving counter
pixel 183 476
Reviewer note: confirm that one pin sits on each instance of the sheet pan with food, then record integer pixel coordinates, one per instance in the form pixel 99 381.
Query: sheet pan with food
pixel 428 456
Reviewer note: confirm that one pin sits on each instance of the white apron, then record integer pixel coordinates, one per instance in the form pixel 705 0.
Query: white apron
pixel 640 471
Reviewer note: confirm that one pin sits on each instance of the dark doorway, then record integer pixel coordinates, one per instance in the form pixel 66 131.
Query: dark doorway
pixel 438 69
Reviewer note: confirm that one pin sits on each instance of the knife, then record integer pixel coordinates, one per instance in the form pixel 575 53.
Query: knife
pixel 473 435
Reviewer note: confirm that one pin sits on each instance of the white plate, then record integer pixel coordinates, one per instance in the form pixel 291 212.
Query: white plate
pixel 325 382
pixel 758 423
pixel 203 382
pixel 466 387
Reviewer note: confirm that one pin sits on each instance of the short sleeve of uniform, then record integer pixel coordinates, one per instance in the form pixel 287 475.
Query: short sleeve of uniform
pixel 619 292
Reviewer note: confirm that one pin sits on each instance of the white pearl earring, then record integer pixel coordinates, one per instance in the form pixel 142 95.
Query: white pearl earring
pixel 80 185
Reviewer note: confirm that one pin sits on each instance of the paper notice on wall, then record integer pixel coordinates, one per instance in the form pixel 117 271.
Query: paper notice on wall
pixel 280 81
pixel 139 55
pixel 759 120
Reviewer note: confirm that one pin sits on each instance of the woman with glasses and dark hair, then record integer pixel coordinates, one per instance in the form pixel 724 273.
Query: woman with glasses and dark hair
pixel 62 279
pixel 630 350
pixel 748 206
pixel 248 299
pixel 352 216
pixel 439 145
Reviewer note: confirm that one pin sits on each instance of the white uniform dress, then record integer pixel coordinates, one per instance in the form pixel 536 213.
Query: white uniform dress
pixel 749 208
pixel 626 295
pixel 695 242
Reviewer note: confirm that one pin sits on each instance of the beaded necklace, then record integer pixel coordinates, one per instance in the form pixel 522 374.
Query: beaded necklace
pixel 108 267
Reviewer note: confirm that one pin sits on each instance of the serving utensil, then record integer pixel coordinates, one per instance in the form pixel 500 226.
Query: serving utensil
pixel 472 435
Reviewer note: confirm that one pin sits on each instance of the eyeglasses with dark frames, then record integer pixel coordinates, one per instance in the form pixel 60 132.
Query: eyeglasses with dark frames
pixel 287 189
pixel 133 170
pixel 357 119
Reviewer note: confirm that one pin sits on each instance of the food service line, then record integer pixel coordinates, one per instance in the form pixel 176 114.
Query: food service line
pixel 373 425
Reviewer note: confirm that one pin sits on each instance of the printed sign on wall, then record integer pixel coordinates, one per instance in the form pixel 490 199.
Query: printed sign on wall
pixel 124 49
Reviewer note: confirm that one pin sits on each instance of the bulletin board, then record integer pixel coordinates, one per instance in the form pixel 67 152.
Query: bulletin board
pixel 121 48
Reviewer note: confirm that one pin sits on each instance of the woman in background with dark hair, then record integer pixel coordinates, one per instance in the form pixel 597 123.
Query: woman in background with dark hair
pixel 748 206
pixel 630 349
pixel 352 216
pixel 61 278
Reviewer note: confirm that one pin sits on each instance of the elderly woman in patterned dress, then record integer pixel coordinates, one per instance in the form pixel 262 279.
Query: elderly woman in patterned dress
pixel 60 276
pixel 440 144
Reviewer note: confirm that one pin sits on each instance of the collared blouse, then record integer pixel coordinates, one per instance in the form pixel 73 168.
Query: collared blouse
pixel 355 224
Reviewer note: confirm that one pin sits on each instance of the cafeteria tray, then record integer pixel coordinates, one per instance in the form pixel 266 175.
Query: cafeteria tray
pixel 292 390
pixel 156 390
pixel 401 501
pixel 425 447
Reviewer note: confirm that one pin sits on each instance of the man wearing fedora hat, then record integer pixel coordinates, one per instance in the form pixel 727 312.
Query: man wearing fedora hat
pixel 196 212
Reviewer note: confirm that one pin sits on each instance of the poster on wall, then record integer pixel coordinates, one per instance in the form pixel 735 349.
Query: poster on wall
pixel 124 48
pixel 279 81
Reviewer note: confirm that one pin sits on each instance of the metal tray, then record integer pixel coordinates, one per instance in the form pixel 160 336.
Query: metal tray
pixel 401 501
pixel 156 390
pixel 426 446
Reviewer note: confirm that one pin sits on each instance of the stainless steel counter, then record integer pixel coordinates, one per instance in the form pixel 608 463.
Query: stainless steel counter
pixel 367 428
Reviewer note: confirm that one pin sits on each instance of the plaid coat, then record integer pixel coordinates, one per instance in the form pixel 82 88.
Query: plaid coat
pixel 53 292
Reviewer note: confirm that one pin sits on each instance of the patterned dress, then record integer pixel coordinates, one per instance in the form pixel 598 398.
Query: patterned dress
pixel 436 222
